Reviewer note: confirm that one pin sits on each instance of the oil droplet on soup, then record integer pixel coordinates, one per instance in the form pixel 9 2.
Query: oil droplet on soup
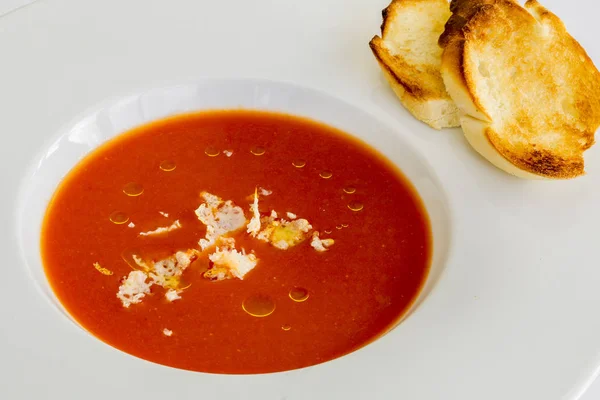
pixel 345 225
pixel 325 174
pixel 133 189
pixel 328 231
pixel 299 294
pixel 356 206
pixel 286 327
pixel 211 151
pixel 338 227
pixel 118 217
pixel 258 150
pixel 299 163
pixel 167 165
pixel 259 305
pixel 349 189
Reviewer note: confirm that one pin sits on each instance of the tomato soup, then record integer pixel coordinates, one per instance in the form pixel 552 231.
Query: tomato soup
pixel 236 242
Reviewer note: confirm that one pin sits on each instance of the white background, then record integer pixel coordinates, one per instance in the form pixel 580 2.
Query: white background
pixel 7 6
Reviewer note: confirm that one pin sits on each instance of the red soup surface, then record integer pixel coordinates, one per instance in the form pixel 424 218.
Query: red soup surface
pixel 236 242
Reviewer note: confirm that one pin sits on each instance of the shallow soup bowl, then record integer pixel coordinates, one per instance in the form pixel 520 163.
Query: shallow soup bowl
pixel 375 361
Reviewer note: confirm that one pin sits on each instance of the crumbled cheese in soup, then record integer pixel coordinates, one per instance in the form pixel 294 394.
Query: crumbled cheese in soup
pixel 225 262
pixel 254 224
pixel 282 233
pixel 133 288
pixel 320 244
pixel 265 192
pixel 162 229
pixel 166 273
pixel 228 262
pixel 279 232
pixel 172 295
pixel 220 217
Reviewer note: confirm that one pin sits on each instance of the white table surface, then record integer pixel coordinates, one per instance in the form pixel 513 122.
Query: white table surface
pixel 7 6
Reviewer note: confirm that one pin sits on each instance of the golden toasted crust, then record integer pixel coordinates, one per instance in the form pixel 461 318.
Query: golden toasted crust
pixel 462 12
pixel 410 59
pixel 533 87
pixel 412 83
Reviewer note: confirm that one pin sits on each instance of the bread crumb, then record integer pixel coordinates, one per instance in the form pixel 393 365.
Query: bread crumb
pixel 320 244
pixel 102 270
pixel 228 153
pixel 131 225
pixel 291 215
pixel 164 214
pixel 162 229
pixel 167 332
pixel 133 288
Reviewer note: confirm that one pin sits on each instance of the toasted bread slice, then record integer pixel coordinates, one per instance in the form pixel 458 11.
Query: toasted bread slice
pixel 410 58
pixel 529 91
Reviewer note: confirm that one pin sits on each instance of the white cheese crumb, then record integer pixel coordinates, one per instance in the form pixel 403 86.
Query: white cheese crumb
pixel 265 234
pixel 219 217
pixel 291 215
pixel 254 224
pixel 162 229
pixel 302 225
pixel 228 153
pixel 164 214
pixel 139 262
pixel 230 263
pixel 185 258
pixel 265 192
pixel 131 225
pixel 282 244
pixel 166 272
pixel 282 233
pixel 173 294
pixel 167 332
pixel 133 288
pixel 320 244
pixel 211 200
